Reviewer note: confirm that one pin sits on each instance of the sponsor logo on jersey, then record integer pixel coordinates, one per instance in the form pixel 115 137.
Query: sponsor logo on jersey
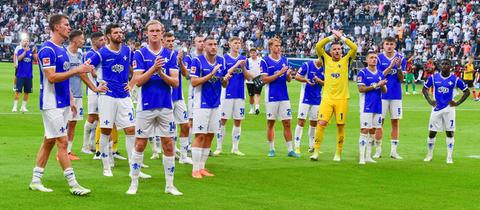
pixel 46 61
pixel 443 89
pixel 117 68
pixel 335 75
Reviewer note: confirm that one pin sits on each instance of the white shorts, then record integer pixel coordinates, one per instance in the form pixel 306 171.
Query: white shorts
pixel 93 104
pixel 206 120
pixel 191 91
pixel 370 120
pixel 442 120
pixel 308 109
pixel 115 110
pixel 79 105
pixel 180 113
pixel 55 122
pixel 279 110
pixel 148 122
pixel 394 107
pixel 233 107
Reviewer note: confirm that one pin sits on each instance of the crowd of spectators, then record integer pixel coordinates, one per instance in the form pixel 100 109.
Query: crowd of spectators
pixel 426 29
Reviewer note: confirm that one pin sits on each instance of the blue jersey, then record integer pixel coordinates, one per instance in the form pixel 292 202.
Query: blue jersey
pixel 177 93
pixel 394 85
pixel 155 93
pixel 311 94
pixel 371 101
pixel 115 69
pixel 88 55
pixel 208 94
pixel 236 84
pixel 25 66
pixel 277 89
pixel 443 88
pixel 53 95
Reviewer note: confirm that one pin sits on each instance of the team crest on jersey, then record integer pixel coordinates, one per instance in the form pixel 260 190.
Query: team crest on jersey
pixel 335 75
pixel 359 79
pixel 88 61
pixel 193 69
pixel 442 89
pixel 66 66
pixel 117 68
pixel 134 64
pixel 46 61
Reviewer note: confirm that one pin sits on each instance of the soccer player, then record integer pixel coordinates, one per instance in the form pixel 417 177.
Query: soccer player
pixel 155 73
pixel 443 112
pixel 371 83
pixel 335 90
pixel 114 106
pixel 208 75
pixel 24 67
pixel 468 77
pixel 180 112
pixel 198 42
pixel 311 74
pixel 275 74
pixel 55 99
pixel 233 96
pixel 98 41
pixel 253 90
pixel 392 99
pixel 410 76
pixel 75 55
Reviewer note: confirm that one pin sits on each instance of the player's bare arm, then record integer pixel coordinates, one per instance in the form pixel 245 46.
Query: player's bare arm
pixel 55 77
pixel 196 81
pixel 464 97
pixel 171 79
pixel 141 78
pixel 267 79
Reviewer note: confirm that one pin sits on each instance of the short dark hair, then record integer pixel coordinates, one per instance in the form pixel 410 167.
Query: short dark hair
pixel 97 35
pixel 109 28
pixel 389 39
pixel 55 20
pixel 74 34
pixel 253 49
pixel 210 38
pixel 168 34
pixel 335 43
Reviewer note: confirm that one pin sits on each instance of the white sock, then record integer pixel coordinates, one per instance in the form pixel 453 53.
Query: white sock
pixel 311 136
pixel 129 145
pixel 220 136
pixel 136 164
pixel 393 148
pixel 450 144
pixel 205 153
pixel 251 107
pixel 272 145
pixel 370 143
pixel 362 143
pixel 24 104
pixel 69 146
pixel 431 146
pixel 196 157
pixel 15 104
pixel 87 129
pixel 37 175
pixel 91 137
pixel 289 146
pixel 236 132
pixel 378 145
pixel 183 146
pixel 190 136
pixel 70 176
pixel 104 144
pixel 298 135
pixel 257 106
pixel 169 168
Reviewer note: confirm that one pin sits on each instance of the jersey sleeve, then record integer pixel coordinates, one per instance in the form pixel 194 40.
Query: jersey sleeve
pixel 264 67
pixel 322 74
pixel 195 69
pixel 173 62
pixel 303 70
pixel 138 64
pixel 223 69
pixel 19 52
pixel 94 60
pixel 361 78
pixel 247 63
pixel 47 58
pixel 429 82
pixel 460 84
pixel 404 64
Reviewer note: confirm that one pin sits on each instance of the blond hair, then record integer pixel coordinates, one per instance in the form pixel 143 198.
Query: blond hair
pixel 153 22
pixel 272 40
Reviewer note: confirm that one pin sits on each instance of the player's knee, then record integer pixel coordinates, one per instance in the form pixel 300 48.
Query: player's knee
pixel 301 122
pixel 270 124
pixel 449 134
pixel 129 130
pixel 313 123
pixel 237 123
pixel 322 123
pixel 286 124
pixel 364 130
pixel 106 131
pixel 184 129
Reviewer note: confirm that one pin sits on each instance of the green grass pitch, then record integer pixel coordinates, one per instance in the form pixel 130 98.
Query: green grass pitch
pixel 255 181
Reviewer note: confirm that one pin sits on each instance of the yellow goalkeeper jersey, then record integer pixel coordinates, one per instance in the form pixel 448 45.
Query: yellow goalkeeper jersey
pixel 336 72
